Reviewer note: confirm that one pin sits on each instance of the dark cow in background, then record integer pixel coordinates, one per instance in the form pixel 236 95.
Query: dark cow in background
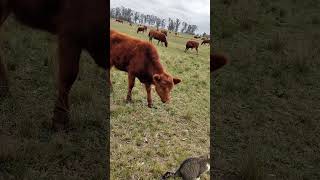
pixel 78 24
pixel 142 29
pixel 197 37
pixel 206 41
pixel 140 59
pixel 192 44
pixel 217 61
pixel 158 36
pixel 119 20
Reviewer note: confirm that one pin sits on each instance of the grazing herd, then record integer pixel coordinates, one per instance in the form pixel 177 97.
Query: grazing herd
pixel 141 60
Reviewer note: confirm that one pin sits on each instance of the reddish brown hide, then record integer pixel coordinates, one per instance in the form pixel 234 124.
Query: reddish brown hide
pixel 192 44
pixel 206 41
pixel 140 59
pixel 158 36
pixel 217 61
pixel 78 24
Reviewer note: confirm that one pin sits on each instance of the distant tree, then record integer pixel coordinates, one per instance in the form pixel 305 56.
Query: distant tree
pixel 171 25
pixel 158 22
pixel 136 17
pixel 163 23
pixel 177 24
pixel 184 27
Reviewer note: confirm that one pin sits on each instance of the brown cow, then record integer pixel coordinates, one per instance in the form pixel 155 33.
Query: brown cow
pixel 140 59
pixel 158 36
pixel 217 61
pixel 192 44
pixel 141 29
pixel 164 32
pixel 119 20
pixel 78 24
pixel 206 41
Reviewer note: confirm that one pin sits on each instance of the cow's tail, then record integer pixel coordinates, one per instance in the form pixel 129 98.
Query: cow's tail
pixel 168 175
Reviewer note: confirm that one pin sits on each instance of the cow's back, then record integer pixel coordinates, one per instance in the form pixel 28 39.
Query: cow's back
pixel 134 55
pixel 77 17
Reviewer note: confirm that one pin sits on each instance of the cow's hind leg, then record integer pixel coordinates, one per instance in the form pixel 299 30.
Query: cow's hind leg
pixel 69 54
pixel 4 85
pixel 149 98
pixel 131 79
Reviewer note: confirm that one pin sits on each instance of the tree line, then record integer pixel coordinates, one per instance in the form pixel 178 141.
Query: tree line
pixel 172 24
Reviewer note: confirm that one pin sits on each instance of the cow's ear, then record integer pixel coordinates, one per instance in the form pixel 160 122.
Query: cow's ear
pixel 156 77
pixel 176 80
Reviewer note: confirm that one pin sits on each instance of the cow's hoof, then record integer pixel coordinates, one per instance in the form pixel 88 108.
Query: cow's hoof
pixel 150 105
pixel 4 88
pixel 129 100
pixel 60 120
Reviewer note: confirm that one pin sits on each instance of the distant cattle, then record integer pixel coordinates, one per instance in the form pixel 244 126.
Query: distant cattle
pixel 130 24
pixel 217 61
pixel 164 32
pixel 206 41
pixel 192 44
pixel 119 20
pixel 142 29
pixel 158 36
pixel 140 59
pixel 79 25
pixel 197 37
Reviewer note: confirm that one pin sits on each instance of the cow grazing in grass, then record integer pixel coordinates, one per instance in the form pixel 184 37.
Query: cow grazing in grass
pixel 78 24
pixel 140 59
pixel 197 37
pixel 119 20
pixel 140 29
pixel 206 41
pixel 217 61
pixel 164 32
pixel 192 44
pixel 158 36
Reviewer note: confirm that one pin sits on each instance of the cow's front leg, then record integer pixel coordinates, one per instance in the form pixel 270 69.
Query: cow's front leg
pixel 69 54
pixel 4 85
pixel 131 79
pixel 149 98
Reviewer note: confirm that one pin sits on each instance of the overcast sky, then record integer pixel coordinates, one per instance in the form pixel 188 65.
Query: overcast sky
pixel 195 12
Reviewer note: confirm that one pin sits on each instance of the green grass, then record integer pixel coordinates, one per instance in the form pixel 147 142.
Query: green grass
pixel 28 147
pixel 145 143
pixel 267 97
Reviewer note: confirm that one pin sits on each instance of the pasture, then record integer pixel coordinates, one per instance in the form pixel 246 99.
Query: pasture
pixel 265 102
pixel 147 142
pixel 29 149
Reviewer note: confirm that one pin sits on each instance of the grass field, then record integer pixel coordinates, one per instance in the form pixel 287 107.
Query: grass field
pixel 28 147
pixel 145 143
pixel 265 103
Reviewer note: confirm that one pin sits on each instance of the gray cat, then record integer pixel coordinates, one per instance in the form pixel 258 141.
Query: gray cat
pixel 191 168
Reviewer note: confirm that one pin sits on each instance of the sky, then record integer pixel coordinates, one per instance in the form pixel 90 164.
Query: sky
pixel 195 12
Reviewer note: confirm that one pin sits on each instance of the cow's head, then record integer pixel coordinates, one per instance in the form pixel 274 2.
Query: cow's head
pixel 163 84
